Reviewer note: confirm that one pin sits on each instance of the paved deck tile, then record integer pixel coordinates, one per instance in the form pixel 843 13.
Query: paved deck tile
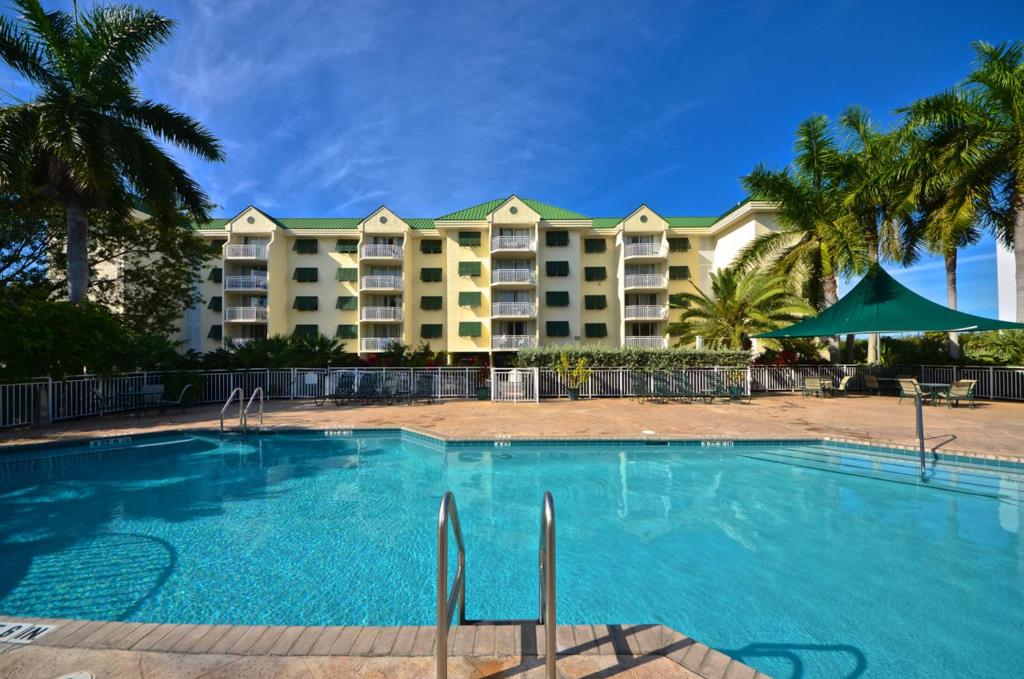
pixel 285 642
pixel 343 644
pixel 155 634
pixel 404 641
pixel 384 641
pixel 249 635
pixel 364 641
pixel 325 642
pixel 484 644
pixel 228 640
pixel 133 637
pixel 304 643
pixel 200 636
pixel 267 640
pixel 738 670
pixel 506 638
pixel 424 643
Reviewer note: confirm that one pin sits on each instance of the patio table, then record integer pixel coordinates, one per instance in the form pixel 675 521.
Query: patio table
pixel 933 388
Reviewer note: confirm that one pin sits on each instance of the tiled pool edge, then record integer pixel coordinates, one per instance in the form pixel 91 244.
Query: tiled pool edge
pixel 523 640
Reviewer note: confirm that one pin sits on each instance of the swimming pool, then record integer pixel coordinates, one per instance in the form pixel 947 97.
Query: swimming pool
pixel 798 558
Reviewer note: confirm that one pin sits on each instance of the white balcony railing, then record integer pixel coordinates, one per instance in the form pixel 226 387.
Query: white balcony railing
pixel 513 243
pixel 241 341
pixel 513 342
pixel 645 250
pixel 246 314
pixel 380 251
pixel 252 282
pixel 380 313
pixel 375 344
pixel 648 311
pixel 646 342
pixel 513 277
pixel 514 309
pixel 245 251
pixel 380 283
pixel 645 280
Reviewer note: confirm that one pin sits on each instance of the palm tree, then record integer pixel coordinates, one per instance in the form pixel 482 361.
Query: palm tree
pixel 979 127
pixel 741 304
pixel 88 140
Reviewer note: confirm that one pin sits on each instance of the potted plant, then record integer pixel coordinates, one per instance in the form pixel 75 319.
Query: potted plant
pixel 573 375
pixel 483 383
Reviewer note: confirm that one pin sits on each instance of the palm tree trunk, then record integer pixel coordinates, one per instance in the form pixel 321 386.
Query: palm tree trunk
pixel 830 292
pixel 873 337
pixel 1018 245
pixel 77 252
pixel 953 346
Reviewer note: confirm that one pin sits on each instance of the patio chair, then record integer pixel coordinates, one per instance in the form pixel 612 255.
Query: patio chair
pixel 662 391
pixel 180 401
pixel 961 390
pixel 638 385
pixel 716 388
pixel 813 386
pixel 844 386
pixel 871 383
pixel 368 389
pixel 344 389
pixel 389 391
pixel 423 389
pixel 909 388
pixel 682 390
pixel 145 397
pixel 106 403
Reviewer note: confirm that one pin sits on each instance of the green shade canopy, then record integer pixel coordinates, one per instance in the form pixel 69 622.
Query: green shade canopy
pixel 880 304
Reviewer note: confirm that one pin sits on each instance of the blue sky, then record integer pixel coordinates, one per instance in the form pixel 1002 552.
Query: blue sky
pixel 333 108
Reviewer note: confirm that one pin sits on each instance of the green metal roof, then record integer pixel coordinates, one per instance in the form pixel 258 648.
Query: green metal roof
pixel 481 211
pixel 605 222
pixel 420 223
pixel 213 224
pixel 690 222
pixel 318 223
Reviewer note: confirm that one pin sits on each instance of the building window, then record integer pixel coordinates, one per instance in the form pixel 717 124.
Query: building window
pixel 430 303
pixel 595 273
pixel 307 330
pixel 595 302
pixel 679 244
pixel 347 302
pixel 595 330
pixel 558 328
pixel 469 329
pixel 556 238
pixel 305 246
pixel 430 275
pixel 347 274
pixel 469 238
pixel 306 274
pixel 643 218
pixel 306 303
pixel 469 268
pixel 347 331
pixel 216 274
pixel 471 299
pixel 679 273
pixel 557 268
pixel 595 245
pixel 215 304
pixel 430 330
pixel 556 298
pixel 214 333
pixel 430 246
pixel 347 245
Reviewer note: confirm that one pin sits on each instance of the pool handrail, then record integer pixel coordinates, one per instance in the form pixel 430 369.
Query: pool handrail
pixel 448 514
pixel 546 565
pixel 245 413
pixel 241 395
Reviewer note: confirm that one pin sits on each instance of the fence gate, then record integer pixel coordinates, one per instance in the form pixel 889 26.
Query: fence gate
pixel 515 384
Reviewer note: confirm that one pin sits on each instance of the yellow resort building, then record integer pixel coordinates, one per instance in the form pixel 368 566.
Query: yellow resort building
pixel 497 277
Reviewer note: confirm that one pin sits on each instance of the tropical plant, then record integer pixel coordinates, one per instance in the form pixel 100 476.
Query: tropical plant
pixel 741 304
pixel 634 358
pixel 573 374
pixel 88 140
pixel 1003 347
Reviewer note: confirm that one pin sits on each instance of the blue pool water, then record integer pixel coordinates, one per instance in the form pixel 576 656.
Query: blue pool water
pixel 800 560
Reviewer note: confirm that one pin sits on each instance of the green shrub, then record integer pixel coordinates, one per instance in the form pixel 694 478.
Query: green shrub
pixel 638 359
pixel 1003 347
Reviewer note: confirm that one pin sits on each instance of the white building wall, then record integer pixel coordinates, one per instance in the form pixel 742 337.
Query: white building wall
pixel 730 244
pixel 1006 279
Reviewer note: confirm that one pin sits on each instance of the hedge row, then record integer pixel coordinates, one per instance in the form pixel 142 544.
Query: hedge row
pixel 637 359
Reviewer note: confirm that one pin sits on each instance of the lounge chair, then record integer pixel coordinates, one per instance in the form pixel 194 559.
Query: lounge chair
pixel 716 389
pixel 106 403
pixel 844 386
pixel 343 390
pixel 909 388
pixel 180 401
pixel 368 389
pixel 681 388
pixel 423 389
pixel 662 391
pixel 390 389
pixel 871 383
pixel 961 390
pixel 639 386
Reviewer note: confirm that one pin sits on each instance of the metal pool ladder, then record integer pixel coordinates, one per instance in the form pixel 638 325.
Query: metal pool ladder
pixel 245 413
pixel 446 602
pixel 241 413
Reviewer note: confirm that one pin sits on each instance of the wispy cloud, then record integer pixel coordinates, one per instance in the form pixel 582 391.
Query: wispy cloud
pixel 938 264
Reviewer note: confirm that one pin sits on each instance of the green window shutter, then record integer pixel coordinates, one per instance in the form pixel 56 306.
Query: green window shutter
pixel 306 303
pixel 347 245
pixel 306 274
pixel 558 328
pixel 678 244
pixel 556 238
pixel 595 330
pixel 430 275
pixel 595 302
pixel 305 246
pixel 347 331
pixel 469 299
pixel 215 304
pixel 679 273
pixel 556 298
pixel 430 246
pixel 430 330
pixel 557 268
pixel 430 303
pixel 469 238
pixel 469 329
pixel 347 302
pixel 348 274
pixel 214 333
pixel 595 245
pixel 216 275
pixel 308 330
pixel 595 273
pixel 469 268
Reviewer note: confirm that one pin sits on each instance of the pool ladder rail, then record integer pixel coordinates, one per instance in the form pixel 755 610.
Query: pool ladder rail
pixel 243 408
pixel 448 515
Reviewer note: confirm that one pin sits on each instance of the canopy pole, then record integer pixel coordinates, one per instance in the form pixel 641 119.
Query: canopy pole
pixel 920 431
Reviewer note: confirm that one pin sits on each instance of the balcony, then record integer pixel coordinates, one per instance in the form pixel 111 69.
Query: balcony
pixel 635 312
pixel 380 283
pixel 239 342
pixel 245 282
pixel 380 251
pixel 245 252
pixel 246 314
pixel 648 281
pixel 513 342
pixel 646 342
pixel 513 277
pixel 381 313
pixel 513 244
pixel 513 310
pixel 372 345
pixel 656 250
